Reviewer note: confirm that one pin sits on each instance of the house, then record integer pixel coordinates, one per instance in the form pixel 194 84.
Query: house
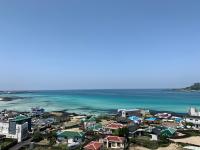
pixel 94 145
pixel 88 122
pixel 151 120
pixel 194 120
pixel 163 131
pixel 113 127
pixel 135 131
pixel 132 128
pixel 36 111
pixel 135 119
pixel 70 137
pixel 114 142
pixel 163 115
pixel 131 112
pixel 168 132
pixel 95 128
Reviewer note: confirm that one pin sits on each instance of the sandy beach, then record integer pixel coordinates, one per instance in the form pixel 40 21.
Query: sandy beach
pixel 170 147
pixel 190 140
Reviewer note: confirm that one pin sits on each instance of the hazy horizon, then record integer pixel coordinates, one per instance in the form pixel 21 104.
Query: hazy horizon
pixel 51 45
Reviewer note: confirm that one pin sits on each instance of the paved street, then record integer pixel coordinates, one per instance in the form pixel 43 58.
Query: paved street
pixel 19 145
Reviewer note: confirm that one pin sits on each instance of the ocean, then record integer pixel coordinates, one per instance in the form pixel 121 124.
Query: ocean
pixel 102 101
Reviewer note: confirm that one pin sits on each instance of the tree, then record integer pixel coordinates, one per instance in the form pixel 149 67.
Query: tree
pixel 52 136
pixel 37 136
pixel 123 132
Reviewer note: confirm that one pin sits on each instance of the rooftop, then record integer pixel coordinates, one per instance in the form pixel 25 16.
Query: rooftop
pixel 94 145
pixel 95 127
pixel 21 117
pixel 114 138
pixel 91 119
pixel 115 126
pixel 150 119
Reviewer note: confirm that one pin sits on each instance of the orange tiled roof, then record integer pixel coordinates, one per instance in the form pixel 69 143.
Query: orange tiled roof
pixel 114 138
pixel 94 145
pixel 115 126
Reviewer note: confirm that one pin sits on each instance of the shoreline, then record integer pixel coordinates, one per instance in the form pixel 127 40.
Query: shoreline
pixel 110 112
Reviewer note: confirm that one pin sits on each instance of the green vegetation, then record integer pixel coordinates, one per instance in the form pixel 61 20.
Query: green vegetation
pixel 37 136
pixel 60 147
pixel 189 124
pixel 123 132
pixel 195 86
pixel 7 143
pixel 190 132
pixel 52 138
pixel 146 142
pixel 39 147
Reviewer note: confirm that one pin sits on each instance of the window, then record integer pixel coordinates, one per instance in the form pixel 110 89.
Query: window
pixel 109 144
pixel 118 144
pixel 105 143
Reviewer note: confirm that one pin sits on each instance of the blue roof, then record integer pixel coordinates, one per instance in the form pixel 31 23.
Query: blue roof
pixel 134 118
pixel 150 119
pixel 178 119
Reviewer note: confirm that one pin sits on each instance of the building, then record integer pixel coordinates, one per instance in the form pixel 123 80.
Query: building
pixel 70 137
pixel 96 128
pixel 168 132
pixel 135 119
pixel 130 112
pixel 20 119
pixel 88 122
pixel 94 145
pixel 114 142
pixel 151 120
pixel 161 131
pixel 195 120
pixel 194 112
pixel 36 111
pixel 113 127
pixel 163 115
pixel 14 130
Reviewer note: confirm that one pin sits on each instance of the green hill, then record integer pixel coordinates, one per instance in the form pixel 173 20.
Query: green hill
pixel 195 86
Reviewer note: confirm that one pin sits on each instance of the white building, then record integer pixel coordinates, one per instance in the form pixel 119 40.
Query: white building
pixel 194 120
pixel 15 131
pixel 132 112
pixel 114 142
pixel 194 112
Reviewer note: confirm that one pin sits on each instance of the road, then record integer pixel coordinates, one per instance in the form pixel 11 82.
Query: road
pixel 21 144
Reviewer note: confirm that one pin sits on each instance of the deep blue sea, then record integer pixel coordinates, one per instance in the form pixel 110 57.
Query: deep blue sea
pixel 101 101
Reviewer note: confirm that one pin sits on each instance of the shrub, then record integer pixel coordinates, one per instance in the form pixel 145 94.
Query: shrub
pixel 146 142
pixel 37 136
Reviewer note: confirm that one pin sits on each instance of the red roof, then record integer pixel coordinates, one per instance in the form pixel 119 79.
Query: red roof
pixel 94 145
pixel 115 126
pixel 114 138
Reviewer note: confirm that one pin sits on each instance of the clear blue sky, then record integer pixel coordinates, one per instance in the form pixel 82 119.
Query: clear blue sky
pixel 81 44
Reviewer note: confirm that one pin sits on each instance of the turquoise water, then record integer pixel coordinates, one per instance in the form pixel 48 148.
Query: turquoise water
pixel 100 101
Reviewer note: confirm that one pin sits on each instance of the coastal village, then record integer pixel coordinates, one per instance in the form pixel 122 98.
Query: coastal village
pixel 134 129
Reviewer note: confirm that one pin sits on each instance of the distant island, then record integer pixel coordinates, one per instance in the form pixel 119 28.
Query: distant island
pixel 194 87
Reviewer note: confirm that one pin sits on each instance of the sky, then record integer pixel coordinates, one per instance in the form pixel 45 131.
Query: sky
pixel 90 44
